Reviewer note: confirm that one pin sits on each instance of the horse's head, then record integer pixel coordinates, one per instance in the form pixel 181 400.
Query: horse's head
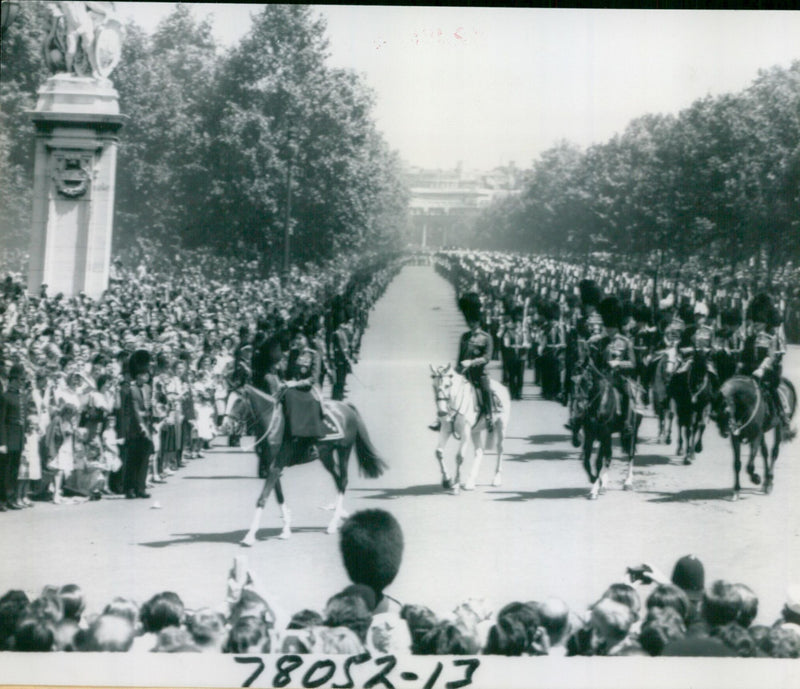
pixel 236 412
pixel 443 377
pixel 724 409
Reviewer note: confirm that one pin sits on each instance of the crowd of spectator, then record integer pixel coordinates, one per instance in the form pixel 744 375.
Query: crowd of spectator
pixel 644 614
pixel 63 360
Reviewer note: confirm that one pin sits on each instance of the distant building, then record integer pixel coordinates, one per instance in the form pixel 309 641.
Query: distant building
pixel 444 203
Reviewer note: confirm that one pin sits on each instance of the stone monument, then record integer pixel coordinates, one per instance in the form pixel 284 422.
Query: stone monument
pixel 77 119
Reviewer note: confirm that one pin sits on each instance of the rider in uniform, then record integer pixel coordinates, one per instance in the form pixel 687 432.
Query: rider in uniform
pixel 614 353
pixel 643 336
pixel 763 352
pixel 696 343
pixel 301 398
pixel 474 353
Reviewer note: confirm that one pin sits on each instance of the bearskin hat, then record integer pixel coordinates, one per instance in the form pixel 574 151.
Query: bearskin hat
pixel 610 310
pixel 549 310
pixel 731 318
pixel 686 312
pixel 139 362
pixel 590 293
pixel 759 310
pixel 371 543
pixel 641 313
pixel 470 306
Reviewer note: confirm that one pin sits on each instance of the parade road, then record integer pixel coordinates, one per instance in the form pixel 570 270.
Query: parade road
pixel 534 536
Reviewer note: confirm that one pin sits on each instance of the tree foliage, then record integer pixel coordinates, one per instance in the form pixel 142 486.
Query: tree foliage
pixel 213 137
pixel 721 177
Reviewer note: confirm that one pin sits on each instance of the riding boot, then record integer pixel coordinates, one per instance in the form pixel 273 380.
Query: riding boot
pixel 436 425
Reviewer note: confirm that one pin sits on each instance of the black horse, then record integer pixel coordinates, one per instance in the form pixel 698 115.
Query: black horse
pixel 745 413
pixel 692 388
pixel 263 415
pixel 597 412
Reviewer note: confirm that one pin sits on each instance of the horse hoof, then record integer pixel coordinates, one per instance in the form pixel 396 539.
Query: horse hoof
pixel 285 535
pixel 755 478
pixel 592 496
pixel 497 481
pixel 447 484
pixel 247 542
pixel 576 442
pixel 698 447
pixel 332 529
pixel 627 486
pixel 468 486
pixel 687 461
pixel 455 490
pixel 767 487
pixel 735 496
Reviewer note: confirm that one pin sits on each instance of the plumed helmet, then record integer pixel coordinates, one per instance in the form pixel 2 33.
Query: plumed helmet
pixel 759 310
pixel 139 362
pixel 590 293
pixel 371 543
pixel 641 313
pixel 610 310
pixel 470 305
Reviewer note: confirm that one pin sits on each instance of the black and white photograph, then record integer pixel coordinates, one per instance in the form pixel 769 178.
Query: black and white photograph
pixel 399 346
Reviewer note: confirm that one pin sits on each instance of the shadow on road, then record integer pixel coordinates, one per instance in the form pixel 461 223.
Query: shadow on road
pixel 545 494
pixel 408 491
pixel 232 537
pixel 216 478
pixel 691 495
pixel 540 454
pixel 649 460
pixel 542 439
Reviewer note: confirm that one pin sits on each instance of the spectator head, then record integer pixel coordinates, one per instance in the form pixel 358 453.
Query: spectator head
pixel 749 609
pixel 175 640
pixel 250 604
pixel 48 606
pixel 791 609
pixel 736 637
pixel 34 634
pixel 108 633
pixel 661 626
pixel 782 642
pixel 65 635
pixel 625 594
pixel 371 544
pixel 554 615
pixel 123 607
pixel 305 619
pixel 162 610
pixel 610 623
pixel 689 575
pixel 335 641
pixel 517 631
pixel 207 628
pixel 248 635
pixel 389 633
pixel 669 596
pixel 351 611
pixel 722 603
pixel 447 638
pixel 13 607
pixel 72 599
pixel 420 621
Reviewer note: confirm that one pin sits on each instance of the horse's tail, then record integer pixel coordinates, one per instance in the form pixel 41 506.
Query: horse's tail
pixel 369 461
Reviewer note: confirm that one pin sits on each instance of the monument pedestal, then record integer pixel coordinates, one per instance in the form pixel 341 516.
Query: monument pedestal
pixel 77 120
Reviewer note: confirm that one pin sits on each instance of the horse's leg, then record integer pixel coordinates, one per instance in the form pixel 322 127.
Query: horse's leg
pixel 755 444
pixel 466 436
pixel 286 514
pixel 333 461
pixel 698 446
pixel 499 434
pixel 587 454
pixel 769 458
pixel 479 441
pixel 628 483
pixel 670 419
pixel 269 483
pixel 606 462
pixel 736 443
pixel 444 434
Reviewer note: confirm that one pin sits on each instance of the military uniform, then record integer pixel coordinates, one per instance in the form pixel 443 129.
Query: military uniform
pixel 475 346
pixel 302 399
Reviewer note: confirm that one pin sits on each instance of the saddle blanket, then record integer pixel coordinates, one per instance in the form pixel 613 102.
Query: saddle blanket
pixel 333 424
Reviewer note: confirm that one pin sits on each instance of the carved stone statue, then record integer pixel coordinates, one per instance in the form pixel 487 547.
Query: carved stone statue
pixel 85 39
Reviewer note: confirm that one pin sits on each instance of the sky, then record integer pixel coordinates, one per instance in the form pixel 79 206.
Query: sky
pixel 487 86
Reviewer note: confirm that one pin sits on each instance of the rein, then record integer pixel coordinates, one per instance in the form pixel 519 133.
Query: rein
pixel 255 416
pixel 737 431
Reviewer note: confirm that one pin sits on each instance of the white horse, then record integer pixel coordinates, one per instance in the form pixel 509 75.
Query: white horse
pixel 458 410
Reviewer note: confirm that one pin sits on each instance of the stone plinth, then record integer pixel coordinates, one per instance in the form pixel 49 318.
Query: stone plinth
pixel 77 120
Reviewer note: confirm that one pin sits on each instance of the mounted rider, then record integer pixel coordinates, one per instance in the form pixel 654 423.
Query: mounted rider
pixel 613 353
pixel 763 353
pixel 474 353
pixel 302 398
pixel 643 335
pixel 696 344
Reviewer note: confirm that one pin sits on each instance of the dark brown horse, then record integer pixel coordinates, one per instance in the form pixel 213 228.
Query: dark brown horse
pixel 597 414
pixel 664 367
pixel 692 388
pixel 262 415
pixel 744 412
